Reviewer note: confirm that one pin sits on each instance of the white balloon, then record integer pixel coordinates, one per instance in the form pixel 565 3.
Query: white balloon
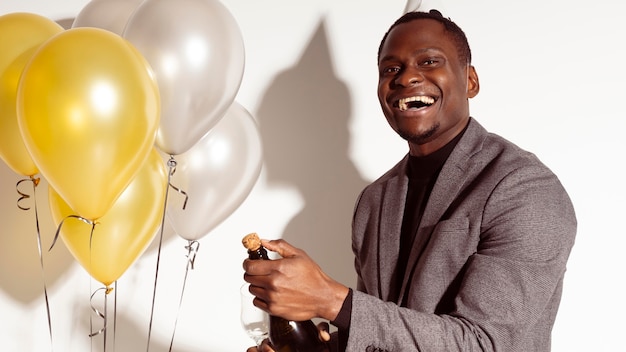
pixel 425 6
pixel 111 15
pixel 196 50
pixel 412 5
pixel 217 174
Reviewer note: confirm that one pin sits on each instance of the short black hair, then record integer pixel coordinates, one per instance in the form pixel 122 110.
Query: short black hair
pixel 456 33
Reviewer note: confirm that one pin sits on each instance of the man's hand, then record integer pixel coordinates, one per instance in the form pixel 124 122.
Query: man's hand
pixel 293 287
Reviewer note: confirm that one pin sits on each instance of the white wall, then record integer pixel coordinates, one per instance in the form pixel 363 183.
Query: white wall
pixel 552 74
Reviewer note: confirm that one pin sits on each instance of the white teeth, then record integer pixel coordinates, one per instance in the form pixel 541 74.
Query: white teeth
pixel 403 104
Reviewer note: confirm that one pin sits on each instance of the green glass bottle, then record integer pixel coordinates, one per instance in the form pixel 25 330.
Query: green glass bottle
pixel 286 335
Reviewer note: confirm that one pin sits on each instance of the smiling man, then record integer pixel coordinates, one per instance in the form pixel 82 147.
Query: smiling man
pixel 461 246
pixel 425 83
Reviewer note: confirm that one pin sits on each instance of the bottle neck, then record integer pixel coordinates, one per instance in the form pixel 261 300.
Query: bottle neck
pixel 258 254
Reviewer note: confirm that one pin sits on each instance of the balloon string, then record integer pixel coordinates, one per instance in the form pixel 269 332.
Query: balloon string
pixel 103 315
pixel 24 196
pixel 87 221
pixel 98 313
pixel 115 315
pixel 107 289
pixel 192 247
pixel 54 241
pixel 171 163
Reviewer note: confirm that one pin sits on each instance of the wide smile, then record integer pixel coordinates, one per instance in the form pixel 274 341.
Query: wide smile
pixel 414 103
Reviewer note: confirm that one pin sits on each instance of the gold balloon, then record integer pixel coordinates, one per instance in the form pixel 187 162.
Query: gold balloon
pixel 124 232
pixel 88 110
pixel 20 35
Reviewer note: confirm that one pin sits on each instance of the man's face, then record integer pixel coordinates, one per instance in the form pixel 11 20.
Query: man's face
pixel 423 88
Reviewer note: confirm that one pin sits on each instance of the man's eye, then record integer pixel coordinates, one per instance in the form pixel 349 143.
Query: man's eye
pixel 429 62
pixel 391 70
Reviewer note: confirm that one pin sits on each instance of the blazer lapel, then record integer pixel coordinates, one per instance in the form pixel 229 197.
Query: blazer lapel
pixel 448 185
pixel 389 234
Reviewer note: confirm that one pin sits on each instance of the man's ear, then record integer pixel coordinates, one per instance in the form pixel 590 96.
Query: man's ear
pixel 472 82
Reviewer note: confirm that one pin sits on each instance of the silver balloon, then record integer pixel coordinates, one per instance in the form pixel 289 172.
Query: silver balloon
pixel 412 5
pixel 196 50
pixel 217 174
pixel 111 15
pixel 425 6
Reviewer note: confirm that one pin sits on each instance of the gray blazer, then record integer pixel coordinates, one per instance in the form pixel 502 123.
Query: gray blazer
pixel 486 270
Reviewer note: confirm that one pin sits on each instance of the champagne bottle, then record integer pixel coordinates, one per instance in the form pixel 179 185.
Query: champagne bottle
pixel 286 335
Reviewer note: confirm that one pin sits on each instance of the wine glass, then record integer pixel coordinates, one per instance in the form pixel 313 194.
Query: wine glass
pixel 254 320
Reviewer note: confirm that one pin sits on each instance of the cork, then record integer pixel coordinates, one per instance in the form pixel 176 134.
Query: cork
pixel 251 241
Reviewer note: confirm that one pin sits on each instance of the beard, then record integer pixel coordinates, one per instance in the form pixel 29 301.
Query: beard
pixel 417 137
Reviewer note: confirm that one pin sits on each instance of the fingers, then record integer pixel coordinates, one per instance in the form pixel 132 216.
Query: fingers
pixel 280 246
pixel 265 346
pixel 323 328
pixel 256 267
pixel 266 268
pixel 260 267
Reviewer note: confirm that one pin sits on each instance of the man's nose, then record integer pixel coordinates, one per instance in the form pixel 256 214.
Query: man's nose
pixel 409 77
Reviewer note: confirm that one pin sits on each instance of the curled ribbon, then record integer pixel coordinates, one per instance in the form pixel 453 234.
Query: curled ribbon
pixel 99 313
pixel 87 221
pixel 102 315
pixel 192 247
pixel 172 165
pixel 24 196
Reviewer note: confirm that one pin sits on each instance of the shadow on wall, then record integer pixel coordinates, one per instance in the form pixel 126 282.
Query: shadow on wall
pixel 303 119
